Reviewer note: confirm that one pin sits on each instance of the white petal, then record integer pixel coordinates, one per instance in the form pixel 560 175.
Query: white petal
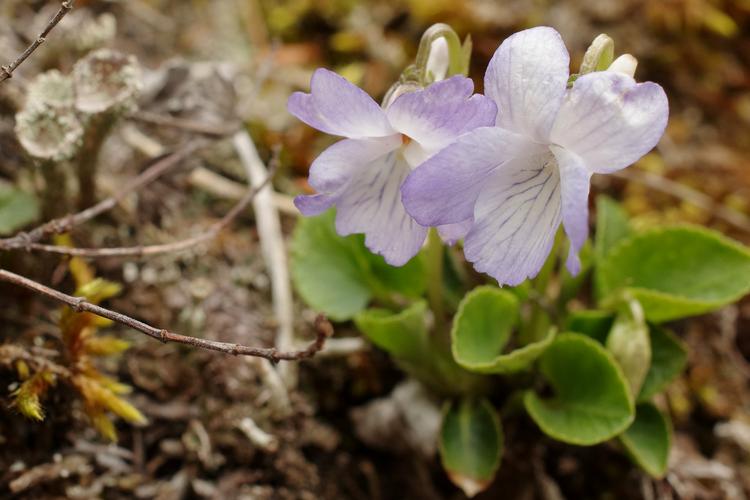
pixel 527 78
pixel 516 217
pixel 610 121
pixel 344 159
pixel 625 64
pixel 443 189
pixel 371 204
pixel 439 60
pixel 574 187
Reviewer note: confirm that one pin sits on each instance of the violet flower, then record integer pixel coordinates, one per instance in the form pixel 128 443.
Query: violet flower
pixel 362 174
pixel 521 178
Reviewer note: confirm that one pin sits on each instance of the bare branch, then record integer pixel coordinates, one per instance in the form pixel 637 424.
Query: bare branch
pixel 184 124
pixel 176 246
pixel 6 72
pixel 323 327
pixel 57 226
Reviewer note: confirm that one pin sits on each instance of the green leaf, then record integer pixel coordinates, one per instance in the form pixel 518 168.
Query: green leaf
pixel 612 225
pixel 677 272
pixel 339 276
pixel 648 439
pixel 592 401
pixel 17 208
pixel 592 323
pixel 629 343
pixel 668 359
pixel 471 444
pixel 570 285
pixel 402 334
pixel 481 329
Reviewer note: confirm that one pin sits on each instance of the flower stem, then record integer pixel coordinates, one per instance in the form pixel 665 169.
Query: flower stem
pixel 539 320
pixel 434 257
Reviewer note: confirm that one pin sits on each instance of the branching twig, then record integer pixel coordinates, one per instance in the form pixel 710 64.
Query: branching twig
pixel 63 224
pixel 183 124
pixel 176 246
pixel 79 304
pixel 6 72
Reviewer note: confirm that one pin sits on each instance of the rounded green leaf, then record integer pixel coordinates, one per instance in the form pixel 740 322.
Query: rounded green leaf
pixel 471 444
pixel 400 334
pixel 668 359
pixel 339 276
pixel 592 402
pixel 648 439
pixel 678 272
pixel 481 329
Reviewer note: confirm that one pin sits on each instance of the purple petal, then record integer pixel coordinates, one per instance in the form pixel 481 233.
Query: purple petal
pixel 443 189
pixel 337 107
pixel 527 78
pixel 451 233
pixel 516 217
pixel 574 187
pixel 610 121
pixel 435 116
pixel 313 204
pixel 371 204
pixel 340 162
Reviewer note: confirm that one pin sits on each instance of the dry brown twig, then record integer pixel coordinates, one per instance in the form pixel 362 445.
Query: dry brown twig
pixel 24 240
pixel 29 240
pixel 323 327
pixel 6 71
pixel 176 246
pixel 184 124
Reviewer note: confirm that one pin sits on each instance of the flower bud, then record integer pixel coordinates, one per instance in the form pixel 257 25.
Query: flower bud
pixel 599 55
pixel 106 81
pixel 438 60
pixel 625 64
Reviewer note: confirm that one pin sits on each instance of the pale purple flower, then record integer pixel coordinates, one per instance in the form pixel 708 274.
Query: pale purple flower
pixel 521 178
pixel 362 174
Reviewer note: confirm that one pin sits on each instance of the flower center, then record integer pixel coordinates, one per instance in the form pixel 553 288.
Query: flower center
pixel 405 139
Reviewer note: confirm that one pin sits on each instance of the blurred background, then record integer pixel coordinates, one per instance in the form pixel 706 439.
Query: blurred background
pixel 223 61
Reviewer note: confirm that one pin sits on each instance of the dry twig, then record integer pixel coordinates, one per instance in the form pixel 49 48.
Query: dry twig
pixel 272 246
pixel 175 246
pixel 322 327
pixel 6 71
pixel 24 240
pixel 184 124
